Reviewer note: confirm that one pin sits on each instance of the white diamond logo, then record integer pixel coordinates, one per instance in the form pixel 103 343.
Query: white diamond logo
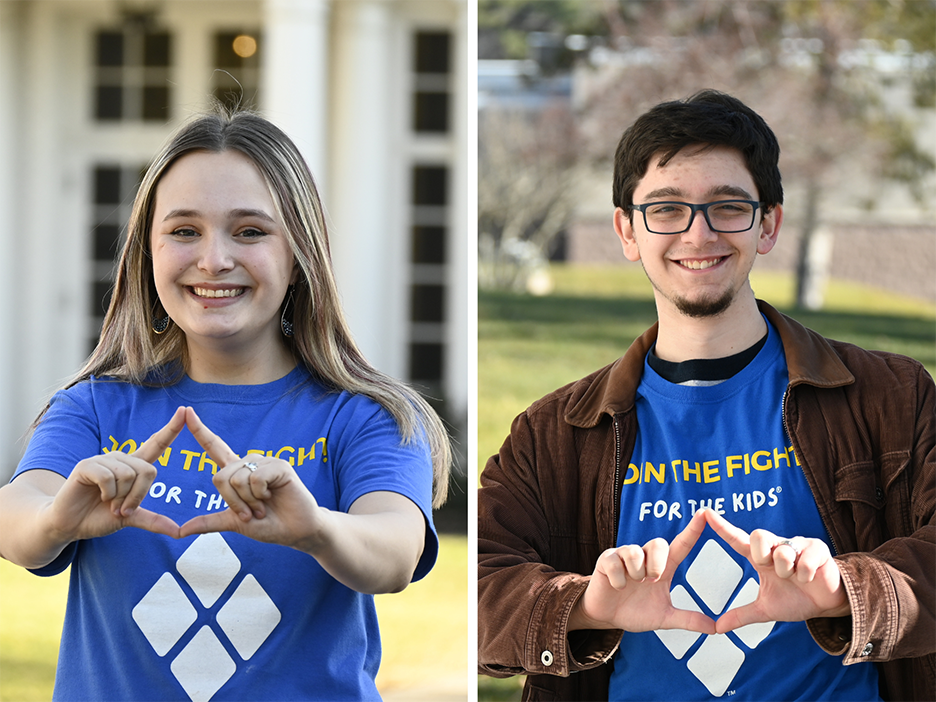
pixel 166 614
pixel 150 614
pixel 203 666
pixel 752 634
pixel 714 575
pixel 249 617
pixel 208 566
pixel 678 641
pixel 716 663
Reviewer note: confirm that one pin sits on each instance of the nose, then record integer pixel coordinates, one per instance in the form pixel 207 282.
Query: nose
pixel 699 232
pixel 215 255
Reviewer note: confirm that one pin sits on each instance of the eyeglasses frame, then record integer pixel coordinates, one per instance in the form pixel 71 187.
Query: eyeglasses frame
pixel 693 209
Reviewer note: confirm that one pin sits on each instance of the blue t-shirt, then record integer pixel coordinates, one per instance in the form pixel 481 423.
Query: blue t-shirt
pixel 723 446
pixel 220 616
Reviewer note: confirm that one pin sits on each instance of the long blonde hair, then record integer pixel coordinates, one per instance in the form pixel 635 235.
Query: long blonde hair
pixel 130 350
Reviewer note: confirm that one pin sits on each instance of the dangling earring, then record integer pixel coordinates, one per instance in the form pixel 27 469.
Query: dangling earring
pixel 287 324
pixel 160 324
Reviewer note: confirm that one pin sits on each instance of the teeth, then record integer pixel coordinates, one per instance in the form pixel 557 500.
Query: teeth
pixel 700 265
pixel 232 292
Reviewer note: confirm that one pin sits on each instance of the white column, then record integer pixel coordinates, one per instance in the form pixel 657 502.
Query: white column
pixel 294 85
pixel 11 320
pixel 365 216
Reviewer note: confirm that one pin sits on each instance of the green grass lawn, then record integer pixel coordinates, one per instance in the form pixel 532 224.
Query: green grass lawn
pixel 529 346
pixel 424 628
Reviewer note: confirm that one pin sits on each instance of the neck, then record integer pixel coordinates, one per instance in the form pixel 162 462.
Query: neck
pixel 682 338
pixel 226 366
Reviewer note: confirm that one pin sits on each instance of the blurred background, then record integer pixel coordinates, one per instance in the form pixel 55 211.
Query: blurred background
pixel 374 92
pixel 848 86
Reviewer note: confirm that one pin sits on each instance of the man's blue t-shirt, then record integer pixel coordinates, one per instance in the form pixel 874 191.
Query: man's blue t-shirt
pixel 723 446
pixel 220 616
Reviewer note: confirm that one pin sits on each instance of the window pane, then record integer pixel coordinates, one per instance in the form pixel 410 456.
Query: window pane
pixel 428 303
pixel 430 113
pixel 432 52
pixel 156 49
pixel 155 103
pixel 428 244
pixel 106 242
pixel 225 56
pixel 108 102
pixel 425 361
pixel 106 185
pixel 429 185
pixel 109 49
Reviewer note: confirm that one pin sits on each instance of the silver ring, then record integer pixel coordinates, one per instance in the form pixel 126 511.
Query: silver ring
pixel 789 542
pixel 251 466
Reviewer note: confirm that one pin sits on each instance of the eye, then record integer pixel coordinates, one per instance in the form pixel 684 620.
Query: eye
pixel 184 233
pixel 251 233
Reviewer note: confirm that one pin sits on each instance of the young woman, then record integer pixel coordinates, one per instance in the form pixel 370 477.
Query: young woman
pixel 285 480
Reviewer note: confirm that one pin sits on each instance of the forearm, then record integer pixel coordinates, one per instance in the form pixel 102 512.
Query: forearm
pixel 25 536
pixel 372 551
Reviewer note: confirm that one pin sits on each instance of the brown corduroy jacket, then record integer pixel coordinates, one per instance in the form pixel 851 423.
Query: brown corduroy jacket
pixel 863 426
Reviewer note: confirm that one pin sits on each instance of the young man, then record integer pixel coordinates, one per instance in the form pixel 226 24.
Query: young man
pixel 754 503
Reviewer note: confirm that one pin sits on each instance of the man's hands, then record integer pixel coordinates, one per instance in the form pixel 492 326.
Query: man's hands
pixel 630 587
pixel 798 580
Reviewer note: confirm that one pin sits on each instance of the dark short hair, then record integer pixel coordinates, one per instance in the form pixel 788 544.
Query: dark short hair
pixel 708 118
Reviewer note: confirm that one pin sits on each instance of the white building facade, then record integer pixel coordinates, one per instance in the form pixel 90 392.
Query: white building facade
pixel 372 91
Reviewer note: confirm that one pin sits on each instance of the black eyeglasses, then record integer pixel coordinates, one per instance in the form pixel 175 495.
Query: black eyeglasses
pixel 723 216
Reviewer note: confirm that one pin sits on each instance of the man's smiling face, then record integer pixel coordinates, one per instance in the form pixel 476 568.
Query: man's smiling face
pixel 698 273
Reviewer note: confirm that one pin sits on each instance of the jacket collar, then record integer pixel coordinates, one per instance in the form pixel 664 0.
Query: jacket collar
pixel 810 358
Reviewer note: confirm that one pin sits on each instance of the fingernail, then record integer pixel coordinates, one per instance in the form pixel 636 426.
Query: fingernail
pixel 245 516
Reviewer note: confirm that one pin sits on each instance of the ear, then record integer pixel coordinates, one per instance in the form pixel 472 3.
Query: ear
pixel 770 229
pixel 625 232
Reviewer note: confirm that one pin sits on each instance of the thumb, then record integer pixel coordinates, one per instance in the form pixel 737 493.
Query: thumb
pixel 150 521
pixel 738 617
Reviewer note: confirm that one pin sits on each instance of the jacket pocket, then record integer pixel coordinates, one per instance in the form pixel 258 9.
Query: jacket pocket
pixel 877 495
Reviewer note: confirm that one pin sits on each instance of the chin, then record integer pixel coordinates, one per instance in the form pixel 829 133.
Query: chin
pixel 708 306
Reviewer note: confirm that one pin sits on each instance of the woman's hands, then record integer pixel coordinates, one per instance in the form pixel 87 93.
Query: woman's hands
pixel 42 512
pixel 375 547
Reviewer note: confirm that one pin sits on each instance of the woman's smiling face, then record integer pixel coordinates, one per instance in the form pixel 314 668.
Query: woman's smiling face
pixel 221 259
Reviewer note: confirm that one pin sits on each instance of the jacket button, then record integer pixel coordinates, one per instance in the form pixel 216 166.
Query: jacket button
pixel 547 658
pixel 879 494
pixel 866 651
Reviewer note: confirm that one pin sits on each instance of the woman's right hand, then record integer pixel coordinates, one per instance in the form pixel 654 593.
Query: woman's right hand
pixel 103 493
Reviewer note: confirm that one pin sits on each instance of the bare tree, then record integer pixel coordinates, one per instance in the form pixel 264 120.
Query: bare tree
pixel 526 189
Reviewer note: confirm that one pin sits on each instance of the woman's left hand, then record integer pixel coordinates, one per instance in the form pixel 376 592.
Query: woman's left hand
pixel 266 500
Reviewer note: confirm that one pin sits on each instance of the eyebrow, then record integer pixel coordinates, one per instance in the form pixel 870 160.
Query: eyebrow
pixel 727 190
pixel 241 213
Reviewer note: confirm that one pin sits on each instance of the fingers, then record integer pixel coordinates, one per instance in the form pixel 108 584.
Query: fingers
pixel 687 538
pixel 153 447
pixel 631 562
pixel 737 538
pixel 219 451
pixel 123 480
